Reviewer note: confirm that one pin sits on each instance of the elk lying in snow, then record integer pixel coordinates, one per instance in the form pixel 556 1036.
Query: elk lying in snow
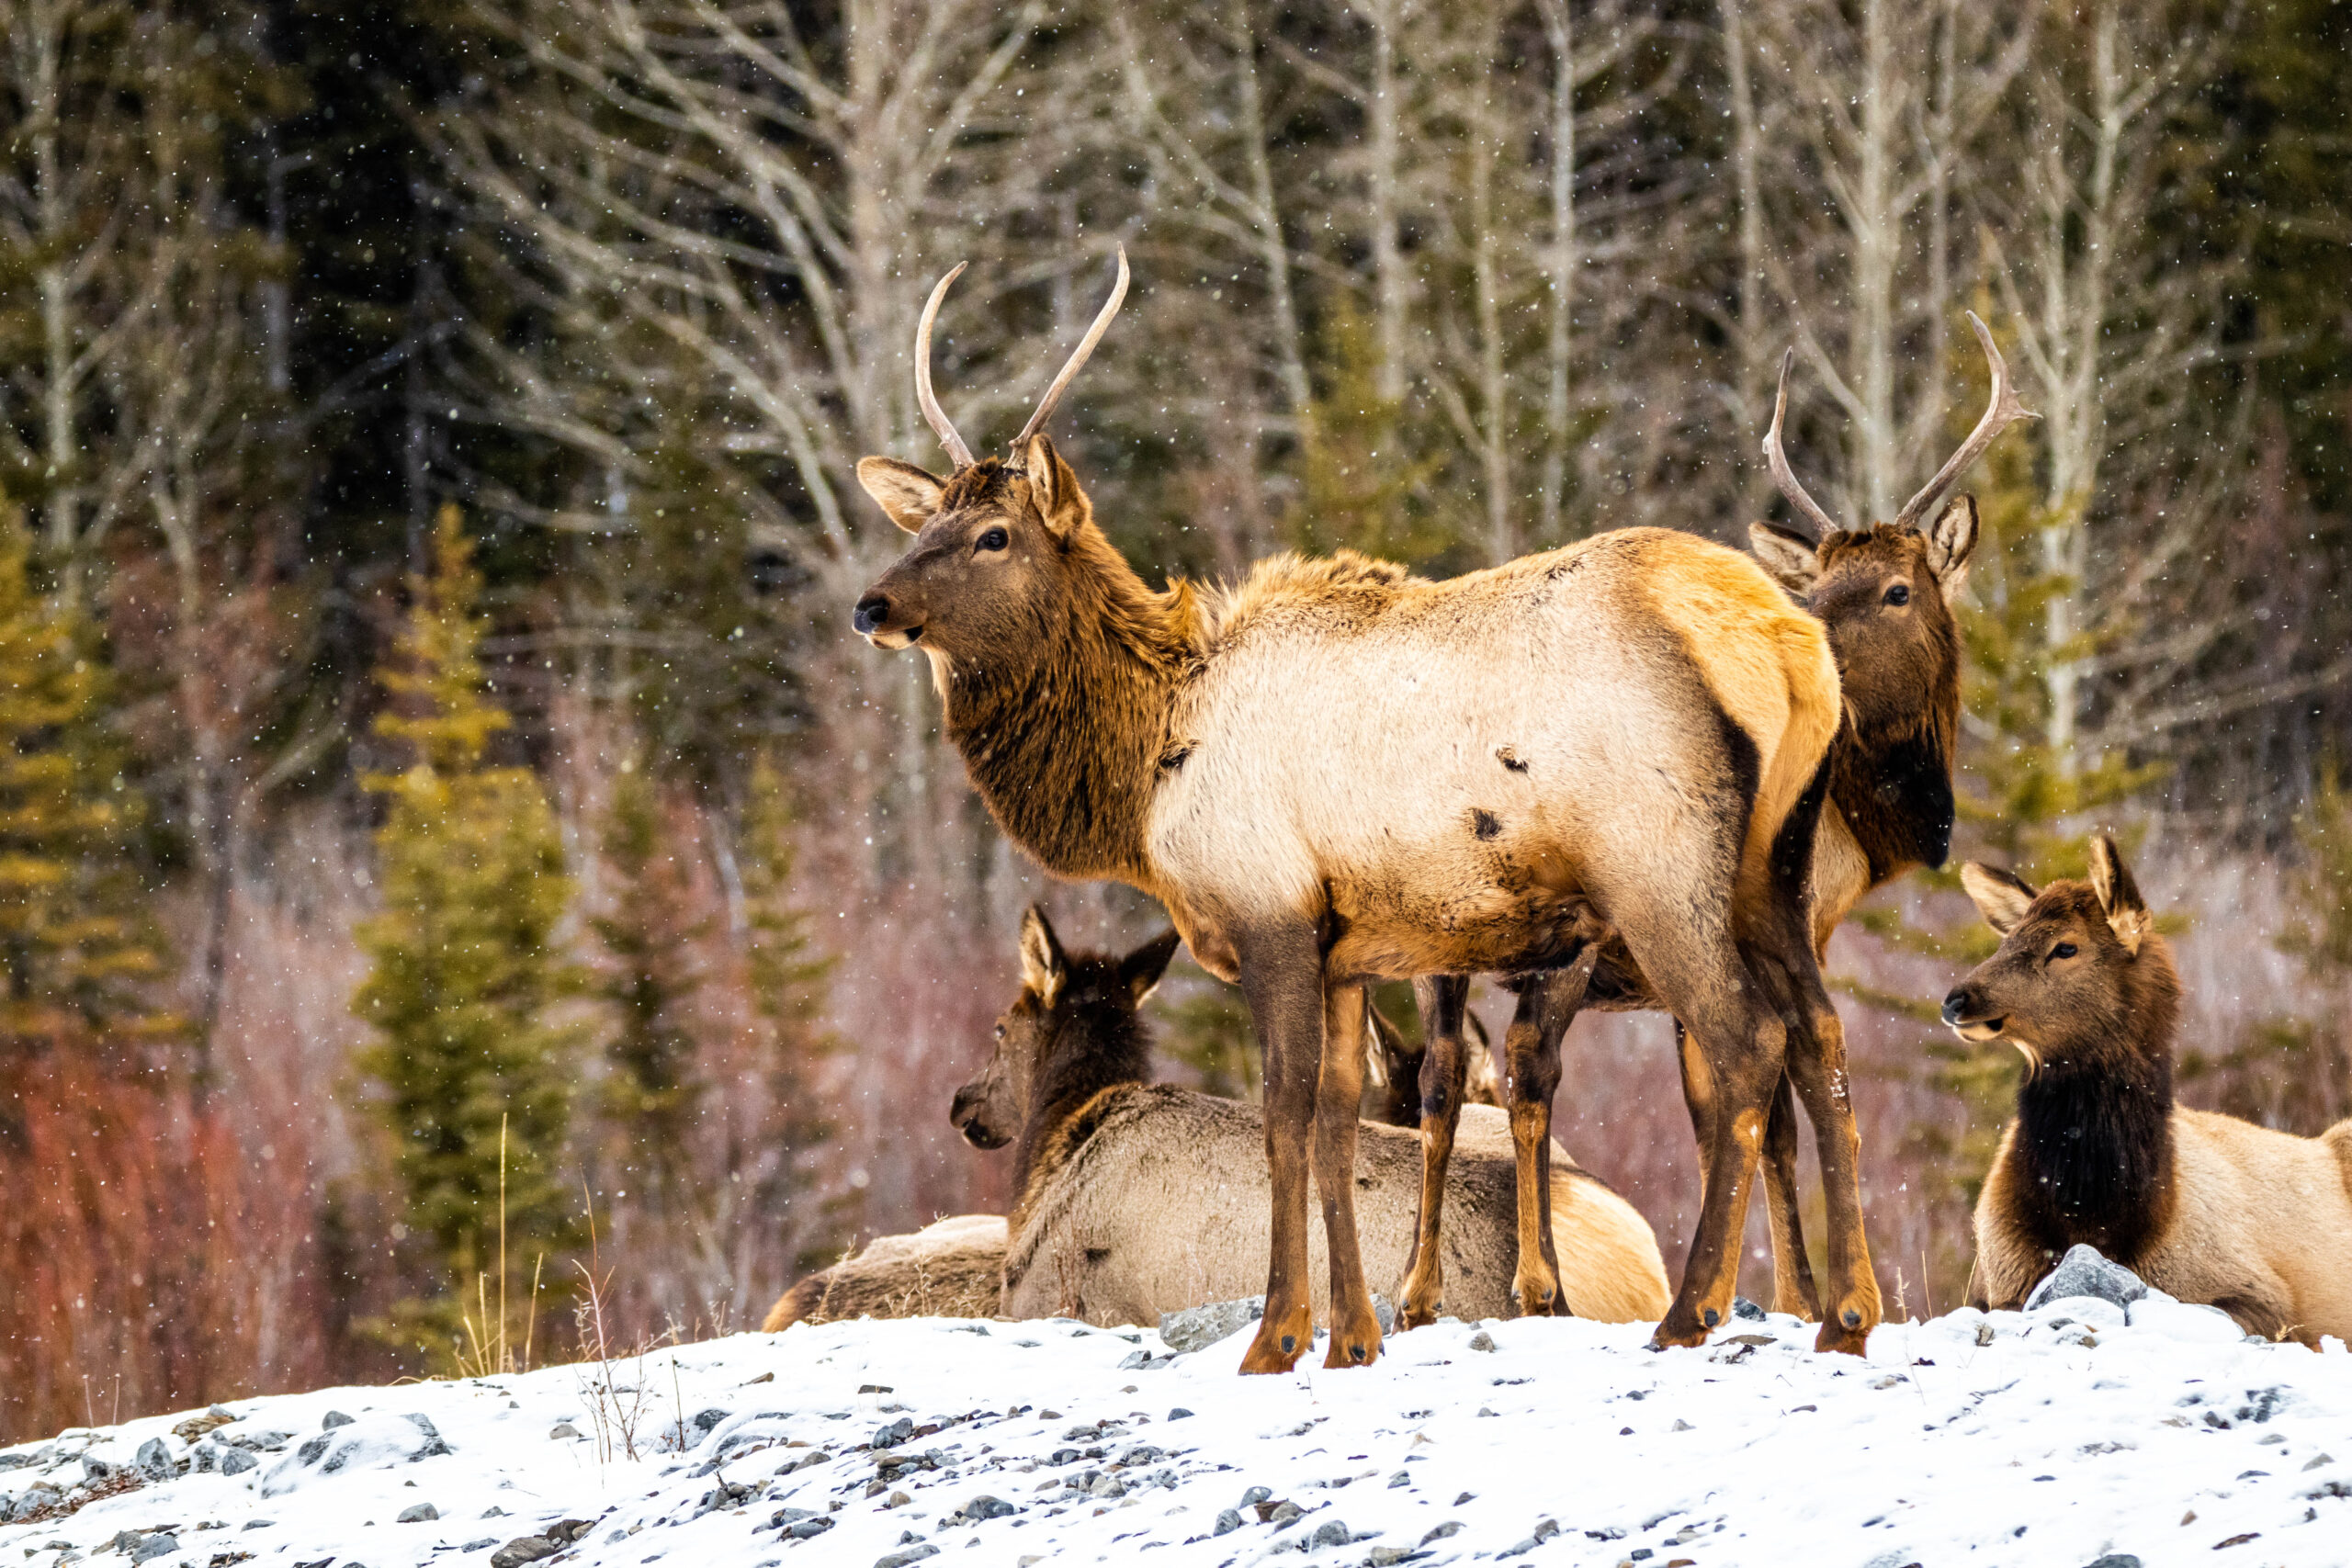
pixel 1136 1199
pixel 1883 593
pixel 2206 1207
pixel 954 1267
pixel 1333 775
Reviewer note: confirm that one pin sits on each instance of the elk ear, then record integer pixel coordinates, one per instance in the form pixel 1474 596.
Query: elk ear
pixel 1061 501
pixel 1043 966
pixel 1999 897
pixel 1951 539
pixel 2127 913
pixel 1142 968
pixel 911 496
pixel 1787 556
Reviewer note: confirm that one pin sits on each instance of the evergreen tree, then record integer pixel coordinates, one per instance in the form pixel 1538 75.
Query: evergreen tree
pixel 649 980
pixel 786 976
pixel 76 959
pixel 464 967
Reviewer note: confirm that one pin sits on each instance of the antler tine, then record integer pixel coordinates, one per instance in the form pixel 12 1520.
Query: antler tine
pixel 932 412
pixel 2000 412
pixel 1078 355
pixel 1778 460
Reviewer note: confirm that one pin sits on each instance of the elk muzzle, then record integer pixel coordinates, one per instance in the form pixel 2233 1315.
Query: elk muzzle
pixel 1966 1012
pixel 968 1114
pixel 882 622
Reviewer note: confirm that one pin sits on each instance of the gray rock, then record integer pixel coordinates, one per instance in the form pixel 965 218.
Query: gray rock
pixel 561 1430
pixel 906 1554
pixel 1482 1340
pixel 1284 1513
pixel 154 1460
pixel 985 1507
pixel 1450 1527
pixel 1196 1327
pixel 891 1436
pixel 236 1461
pixel 523 1549
pixel 258 1524
pixel 416 1513
pixel 1384 1556
pixel 803 1529
pixel 154 1546
pixel 1742 1307
pixel 1332 1533
pixel 1178 1413
pixel 2085 1272
pixel 1255 1495
pixel 1227 1521
pixel 1402 1478
pixel 482 1545
pixel 2117 1560
pixel 332 1419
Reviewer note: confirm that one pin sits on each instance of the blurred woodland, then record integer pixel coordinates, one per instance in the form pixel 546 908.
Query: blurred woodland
pixel 463 890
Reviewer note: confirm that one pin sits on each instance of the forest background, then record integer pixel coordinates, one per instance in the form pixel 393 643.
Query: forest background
pixel 458 872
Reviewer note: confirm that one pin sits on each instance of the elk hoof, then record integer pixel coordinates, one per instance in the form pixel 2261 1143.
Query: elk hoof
pixel 1290 1345
pixel 1711 1317
pixel 1850 1318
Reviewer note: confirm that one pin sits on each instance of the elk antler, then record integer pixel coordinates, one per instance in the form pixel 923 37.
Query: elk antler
pixel 925 396
pixel 1078 355
pixel 1778 460
pixel 2002 411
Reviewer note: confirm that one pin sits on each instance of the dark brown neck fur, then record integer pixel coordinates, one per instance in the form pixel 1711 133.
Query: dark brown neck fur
pixel 2093 1156
pixel 1063 735
pixel 1097 1042
pixel 1893 787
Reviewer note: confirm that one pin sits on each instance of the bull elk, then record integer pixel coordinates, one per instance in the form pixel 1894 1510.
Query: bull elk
pixel 1883 593
pixel 2206 1207
pixel 1332 773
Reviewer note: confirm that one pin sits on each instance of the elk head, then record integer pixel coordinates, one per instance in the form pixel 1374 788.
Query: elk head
pixel 993 541
pixel 1885 593
pixel 2080 976
pixel 1072 1030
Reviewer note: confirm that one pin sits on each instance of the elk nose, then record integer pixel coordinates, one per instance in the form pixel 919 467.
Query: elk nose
pixel 869 616
pixel 1956 1005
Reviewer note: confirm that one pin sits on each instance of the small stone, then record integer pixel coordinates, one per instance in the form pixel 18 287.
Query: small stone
pixel 1742 1307
pixel 1402 1478
pixel 1450 1527
pixel 236 1461
pixel 523 1549
pixel 154 1460
pixel 1383 1556
pixel 2319 1460
pixel 891 1436
pixel 154 1546
pixel 1464 1498
pixel 1283 1513
pixel 2084 1272
pixel 1682 1426
pixel 1179 1414
pixel 987 1508
pixel 258 1524
pixel 1482 1340
pixel 564 1430
pixel 1332 1533
pixel 416 1513
pixel 1255 1495
pixel 906 1554
pixel 2116 1560
pixel 803 1529
pixel 706 1419
pixel 332 1419
pixel 485 1544
pixel 897 1500
pixel 1227 1521
pixel 1197 1327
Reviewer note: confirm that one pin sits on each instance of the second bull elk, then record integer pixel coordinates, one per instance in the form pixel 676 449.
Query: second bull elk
pixel 1883 593
pixel 1334 773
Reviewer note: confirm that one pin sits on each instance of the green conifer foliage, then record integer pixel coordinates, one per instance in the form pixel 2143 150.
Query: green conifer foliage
pixel 786 974
pixel 464 966
pixel 77 956
pixel 649 982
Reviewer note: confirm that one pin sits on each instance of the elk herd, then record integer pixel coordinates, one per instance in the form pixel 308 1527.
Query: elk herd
pixel 1642 772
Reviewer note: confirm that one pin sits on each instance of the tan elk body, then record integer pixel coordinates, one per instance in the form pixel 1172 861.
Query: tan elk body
pixel 1883 594
pixel 2206 1208
pixel 1330 776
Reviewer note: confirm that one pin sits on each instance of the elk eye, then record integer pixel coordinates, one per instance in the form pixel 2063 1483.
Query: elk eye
pixel 2064 950
pixel 1000 1032
pixel 994 539
pixel 1899 595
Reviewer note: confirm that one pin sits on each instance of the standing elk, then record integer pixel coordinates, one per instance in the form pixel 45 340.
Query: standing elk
pixel 1883 593
pixel 2208 1208
pixel 1332 775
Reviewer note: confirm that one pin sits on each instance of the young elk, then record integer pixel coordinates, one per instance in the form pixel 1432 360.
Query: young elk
pixel 1136 1199
pixel 954 1267
pixel 2206 1207
pixel 1334 775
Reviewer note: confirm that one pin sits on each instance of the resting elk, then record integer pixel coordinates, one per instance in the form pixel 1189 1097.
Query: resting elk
pixel 1883 593
pixel 1332 775
pixel 2206 1208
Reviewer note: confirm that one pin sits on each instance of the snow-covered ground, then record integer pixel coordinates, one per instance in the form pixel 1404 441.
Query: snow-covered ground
pixel 2055 1437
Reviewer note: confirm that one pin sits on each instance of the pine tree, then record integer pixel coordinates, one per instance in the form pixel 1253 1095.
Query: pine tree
pixel 76 959
pixel 786 976
pixel 649 981
pixel 464 968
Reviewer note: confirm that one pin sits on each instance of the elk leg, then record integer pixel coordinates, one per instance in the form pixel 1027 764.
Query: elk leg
pixel 1282 978
pixel 1697 1097
pixel 1744 1046
pixel 1793 1287
pixel 1817 1063
pixel 1442 998
pixel 1547 1005
pixel 1355 1331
